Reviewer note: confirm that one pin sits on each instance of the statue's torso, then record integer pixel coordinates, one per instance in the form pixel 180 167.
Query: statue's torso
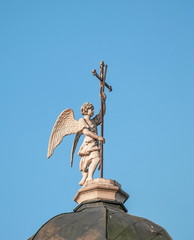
pixel 89 144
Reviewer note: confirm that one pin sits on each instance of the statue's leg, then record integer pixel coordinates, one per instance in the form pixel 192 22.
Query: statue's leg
pixel 83 169
pixel 84 176
pixel 92 167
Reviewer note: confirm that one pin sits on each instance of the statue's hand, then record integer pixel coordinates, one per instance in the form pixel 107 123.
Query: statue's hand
pixel 101 139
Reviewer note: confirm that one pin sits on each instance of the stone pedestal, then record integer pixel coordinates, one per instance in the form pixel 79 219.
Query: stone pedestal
pixel 101 189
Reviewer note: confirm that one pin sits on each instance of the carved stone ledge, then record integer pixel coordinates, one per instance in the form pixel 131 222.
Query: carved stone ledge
pixel 101 189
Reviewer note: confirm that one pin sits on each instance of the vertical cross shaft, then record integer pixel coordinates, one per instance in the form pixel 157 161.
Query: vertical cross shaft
pixel 102 116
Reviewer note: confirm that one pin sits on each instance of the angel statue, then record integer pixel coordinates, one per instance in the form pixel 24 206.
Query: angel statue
pixel 89 151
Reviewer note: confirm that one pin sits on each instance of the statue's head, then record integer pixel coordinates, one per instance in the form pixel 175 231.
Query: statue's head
pixel 86 107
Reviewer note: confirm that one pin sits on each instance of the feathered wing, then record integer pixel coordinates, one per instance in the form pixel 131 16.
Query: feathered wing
pixel 75 142
pixel 65 125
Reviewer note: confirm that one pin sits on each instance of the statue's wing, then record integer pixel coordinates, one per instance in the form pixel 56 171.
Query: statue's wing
pixel 75 142
pixel 65 125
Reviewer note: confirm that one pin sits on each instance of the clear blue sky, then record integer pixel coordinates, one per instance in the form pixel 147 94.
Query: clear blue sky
pixel 48 49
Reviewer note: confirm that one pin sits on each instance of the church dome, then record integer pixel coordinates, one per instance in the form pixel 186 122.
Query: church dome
pixel 100 219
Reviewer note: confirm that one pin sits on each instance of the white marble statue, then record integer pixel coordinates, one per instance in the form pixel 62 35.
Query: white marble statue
pixel 89 151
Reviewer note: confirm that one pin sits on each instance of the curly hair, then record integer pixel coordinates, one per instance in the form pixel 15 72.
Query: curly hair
pixel 85 107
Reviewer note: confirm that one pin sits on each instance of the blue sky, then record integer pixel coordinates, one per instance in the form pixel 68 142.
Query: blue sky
pixel 48 49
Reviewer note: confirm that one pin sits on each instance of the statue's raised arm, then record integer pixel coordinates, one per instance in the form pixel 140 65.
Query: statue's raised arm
pixel 98 117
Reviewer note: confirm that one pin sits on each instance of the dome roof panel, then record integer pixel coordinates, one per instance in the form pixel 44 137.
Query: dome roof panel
pixel 100 220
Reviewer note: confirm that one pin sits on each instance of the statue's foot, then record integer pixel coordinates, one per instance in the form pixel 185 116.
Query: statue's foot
pixel 89 178
pixel 81 183
pixel 83 180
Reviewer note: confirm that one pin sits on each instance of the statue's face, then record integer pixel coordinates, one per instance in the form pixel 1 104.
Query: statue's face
pixel 90 112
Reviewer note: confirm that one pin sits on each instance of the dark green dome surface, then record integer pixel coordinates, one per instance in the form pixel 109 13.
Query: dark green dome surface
pixel 100 220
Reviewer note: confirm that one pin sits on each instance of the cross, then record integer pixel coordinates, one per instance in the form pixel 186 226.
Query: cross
pixel 102 78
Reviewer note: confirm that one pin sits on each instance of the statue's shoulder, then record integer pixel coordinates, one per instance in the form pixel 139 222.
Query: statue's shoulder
pixel 82 123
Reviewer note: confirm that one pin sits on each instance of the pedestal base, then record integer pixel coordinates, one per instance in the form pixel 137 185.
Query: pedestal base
pixel 101 189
